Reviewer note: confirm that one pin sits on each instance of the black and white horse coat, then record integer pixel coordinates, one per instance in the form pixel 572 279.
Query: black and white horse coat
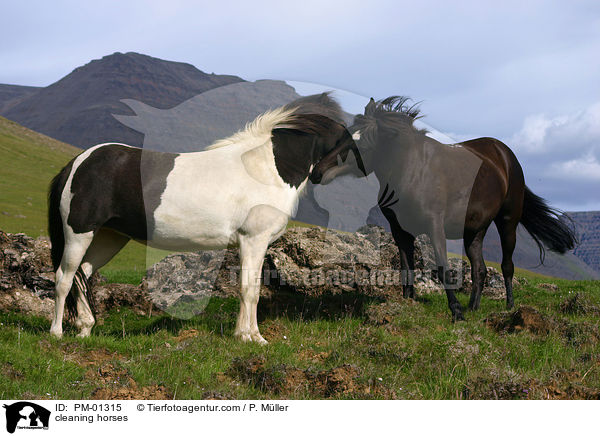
pixel 241 191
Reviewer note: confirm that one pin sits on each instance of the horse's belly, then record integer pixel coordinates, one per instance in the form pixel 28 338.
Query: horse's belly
pixel 191 243
pixel 192 227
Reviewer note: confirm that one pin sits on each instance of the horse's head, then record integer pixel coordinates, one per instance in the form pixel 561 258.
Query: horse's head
pixel 334 158
pixel 384 124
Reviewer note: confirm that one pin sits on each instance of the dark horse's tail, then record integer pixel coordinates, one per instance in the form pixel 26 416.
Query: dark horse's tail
pixel 547 226
pixel 57 240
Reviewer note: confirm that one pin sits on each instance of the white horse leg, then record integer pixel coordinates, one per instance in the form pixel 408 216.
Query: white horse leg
pixel 252 253
pixel 263 225
pixel 105 245
pixel 75 248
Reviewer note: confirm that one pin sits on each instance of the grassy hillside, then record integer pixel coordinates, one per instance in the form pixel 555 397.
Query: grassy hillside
pixel 30 161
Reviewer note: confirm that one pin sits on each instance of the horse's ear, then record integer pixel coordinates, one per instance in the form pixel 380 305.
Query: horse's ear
pixel 370 107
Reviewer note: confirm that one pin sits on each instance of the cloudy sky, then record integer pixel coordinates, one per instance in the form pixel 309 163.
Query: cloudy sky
pixel 526 72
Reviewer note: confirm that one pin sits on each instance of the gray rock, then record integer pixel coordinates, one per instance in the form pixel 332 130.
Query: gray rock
pixel 27 281
pixel 313 262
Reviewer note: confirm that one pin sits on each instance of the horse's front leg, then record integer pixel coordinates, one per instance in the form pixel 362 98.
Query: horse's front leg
pixel 406 243
pixel 438 240
pixel 252 254
pixel 406 246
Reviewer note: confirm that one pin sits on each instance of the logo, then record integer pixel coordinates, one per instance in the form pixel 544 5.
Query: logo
pixel 26 415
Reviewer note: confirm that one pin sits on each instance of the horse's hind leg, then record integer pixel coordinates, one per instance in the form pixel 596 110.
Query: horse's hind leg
pixel 507 228
pixel 474 248
pixel 76 245
pixel 105 245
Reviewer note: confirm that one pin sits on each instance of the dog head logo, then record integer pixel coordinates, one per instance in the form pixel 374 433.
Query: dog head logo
pixel 26 415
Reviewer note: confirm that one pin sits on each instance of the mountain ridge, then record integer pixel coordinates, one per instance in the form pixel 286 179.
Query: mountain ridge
pixel 78 108
pixel 11 95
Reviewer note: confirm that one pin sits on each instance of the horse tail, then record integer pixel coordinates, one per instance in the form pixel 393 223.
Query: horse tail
pixel 547 226
pixel 55 222
pixel 57 239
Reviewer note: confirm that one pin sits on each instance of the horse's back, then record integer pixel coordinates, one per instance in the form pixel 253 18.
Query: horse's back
pixel 493 152
pixel 499 184
pixel 115 185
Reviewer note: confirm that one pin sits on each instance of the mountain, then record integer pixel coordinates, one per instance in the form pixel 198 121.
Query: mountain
pixel 527 256
pixel 587 225
pixel 10 95
pixel 78 108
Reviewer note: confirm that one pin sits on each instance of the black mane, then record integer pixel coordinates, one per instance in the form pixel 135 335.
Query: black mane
pixel 314 128
pixel 317 114
pixel 392 116
pixel 318 104
pixel 396 104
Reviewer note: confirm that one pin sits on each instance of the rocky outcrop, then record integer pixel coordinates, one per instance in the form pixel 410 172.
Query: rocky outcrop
pixel 27 281
pixel 309 262
pixel 587 225
pixel 25 264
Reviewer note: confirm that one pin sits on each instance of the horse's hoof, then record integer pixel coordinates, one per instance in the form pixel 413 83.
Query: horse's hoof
pixel 249 337
pixel 259 339
pixel 84 333
pixel 457 316
pixel 56 334
pixel 244 337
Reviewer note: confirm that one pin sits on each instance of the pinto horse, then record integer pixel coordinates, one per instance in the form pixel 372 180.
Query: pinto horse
pixel 241 191
pixel 449 192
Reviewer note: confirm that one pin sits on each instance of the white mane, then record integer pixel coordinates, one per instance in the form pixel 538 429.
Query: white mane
pixel 260 128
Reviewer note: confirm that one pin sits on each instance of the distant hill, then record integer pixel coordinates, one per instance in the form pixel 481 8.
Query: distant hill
pixel 527 256
pixel 78 108
pixel 10 95
pixel 29 161
pixel 588 230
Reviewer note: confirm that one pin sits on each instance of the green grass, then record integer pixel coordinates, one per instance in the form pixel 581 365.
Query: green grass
pixel 420 355
pixel 29 161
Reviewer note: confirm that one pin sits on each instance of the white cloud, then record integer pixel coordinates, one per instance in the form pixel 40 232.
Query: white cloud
pixel 576 169
pixel 560 156
pixel 578 132
pixel 531 136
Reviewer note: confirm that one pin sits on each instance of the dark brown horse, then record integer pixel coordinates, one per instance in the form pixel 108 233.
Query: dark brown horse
pixel 450 192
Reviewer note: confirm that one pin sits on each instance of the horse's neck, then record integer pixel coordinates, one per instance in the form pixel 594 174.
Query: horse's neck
pixel 293 157
pixel 405 164
pixel 398 157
